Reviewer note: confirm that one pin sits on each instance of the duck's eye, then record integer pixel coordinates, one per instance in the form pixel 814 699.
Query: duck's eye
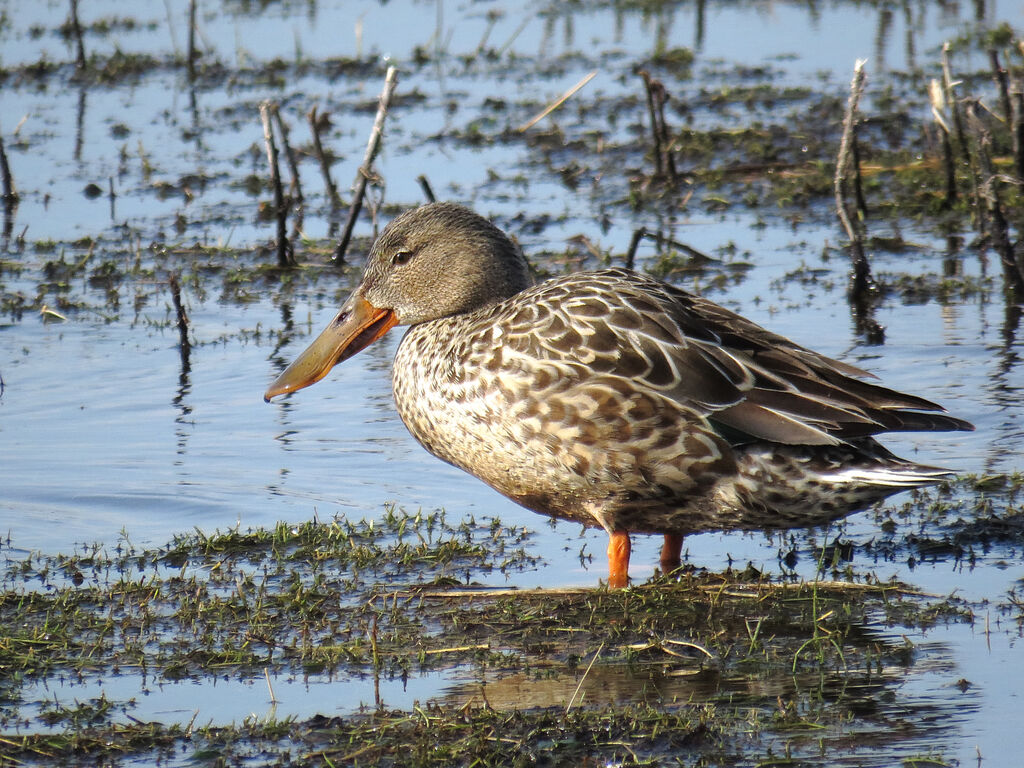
pixel 401 257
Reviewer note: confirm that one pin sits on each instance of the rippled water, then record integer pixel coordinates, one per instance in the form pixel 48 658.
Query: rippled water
pixel 104 433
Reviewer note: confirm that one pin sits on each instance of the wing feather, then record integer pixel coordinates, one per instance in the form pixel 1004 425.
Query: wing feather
pixel 748 382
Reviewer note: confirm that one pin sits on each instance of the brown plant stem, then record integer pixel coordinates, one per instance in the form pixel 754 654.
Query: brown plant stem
pixel 76 30
pixel 425 186
pixel 988 190
pixel 192 53
pixel 1002 82
pixel 862 284
pixel 365 170
pixel 10 194
pixel 285 255
pixel 317 122
pixel 182 317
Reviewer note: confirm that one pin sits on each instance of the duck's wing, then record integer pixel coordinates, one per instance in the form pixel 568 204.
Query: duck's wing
pixel 748 382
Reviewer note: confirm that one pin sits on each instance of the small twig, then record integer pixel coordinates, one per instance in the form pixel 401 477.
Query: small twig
pixel 273 696
pixel 184 345
pixel 285 257
pixel 458 649
pixel 319 122
pixel 954 106
pixel 657 98
pixel 192 54
pixel 583 679
pixel 862 284
pixel 297 201
pixel 858 187
pixel 936 95
pixel 634 243
pixel 289 153
pixel 76 30
pixel 425 186
pixel 698 257
pixel 988 190
pixel 556 103
pixel 659 160
pixel 372 147
pixel 1002 82
pixel 10 194
pixel 861 268
pixel 1018 131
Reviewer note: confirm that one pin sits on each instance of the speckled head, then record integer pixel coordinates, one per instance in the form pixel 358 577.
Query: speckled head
pixel 432 262
pixel 440 260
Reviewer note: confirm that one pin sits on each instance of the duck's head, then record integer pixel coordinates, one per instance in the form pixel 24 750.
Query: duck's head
pixel 432 262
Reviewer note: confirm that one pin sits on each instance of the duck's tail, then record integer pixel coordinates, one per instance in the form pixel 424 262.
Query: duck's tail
pixel 789 486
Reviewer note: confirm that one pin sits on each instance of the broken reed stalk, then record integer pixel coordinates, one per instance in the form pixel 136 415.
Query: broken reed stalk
pixel 1018 131
pixel 634 243
pixel 659 158
pixel 556 103
pixel 988 190
pixel 363 175
pixel 954 105
pixel 1002 81
pixel 76 30
pixel 182 317
pixel 858 187
pixel 657 98
pixel 6 178
pixel 192 54
pixel 285 256
pixel 289 153
pixel 936 96
pixel 425 186
pixel 862 282
pixel 318 122
pixel 698 257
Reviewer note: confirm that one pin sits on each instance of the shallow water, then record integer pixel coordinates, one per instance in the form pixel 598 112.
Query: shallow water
pixel 104 432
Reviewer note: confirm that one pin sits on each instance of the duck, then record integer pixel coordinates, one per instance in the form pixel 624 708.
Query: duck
pixel 611 398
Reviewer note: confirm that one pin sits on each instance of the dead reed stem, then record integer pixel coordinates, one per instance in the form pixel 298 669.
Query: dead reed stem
pixel 955 109
pixel 556 103
pixel 698 257
pixel 9 192
pixel 1002 81
pixel 318 122
pixel 862 284
pixel 657 98
pixel 862 281
pixel 425 186
pixel 937 97
pixel 285 256
pixel 295 188
pixel 182 316
pixel 1018 131
pixel 289 153
pixel 192 54
pixel 76 30
pixel 988 190
pixel 366 169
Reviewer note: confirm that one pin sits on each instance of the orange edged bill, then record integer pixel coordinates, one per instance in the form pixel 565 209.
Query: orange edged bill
pixel 355 327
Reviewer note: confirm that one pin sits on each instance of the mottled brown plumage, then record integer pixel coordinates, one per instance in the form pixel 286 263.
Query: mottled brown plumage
pixel 613 399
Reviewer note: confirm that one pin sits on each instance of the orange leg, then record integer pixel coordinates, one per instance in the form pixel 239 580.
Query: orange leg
pixel 670 550
pixel 618 559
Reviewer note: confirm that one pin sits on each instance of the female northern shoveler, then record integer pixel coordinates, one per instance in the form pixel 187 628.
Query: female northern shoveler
pixel 613 399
